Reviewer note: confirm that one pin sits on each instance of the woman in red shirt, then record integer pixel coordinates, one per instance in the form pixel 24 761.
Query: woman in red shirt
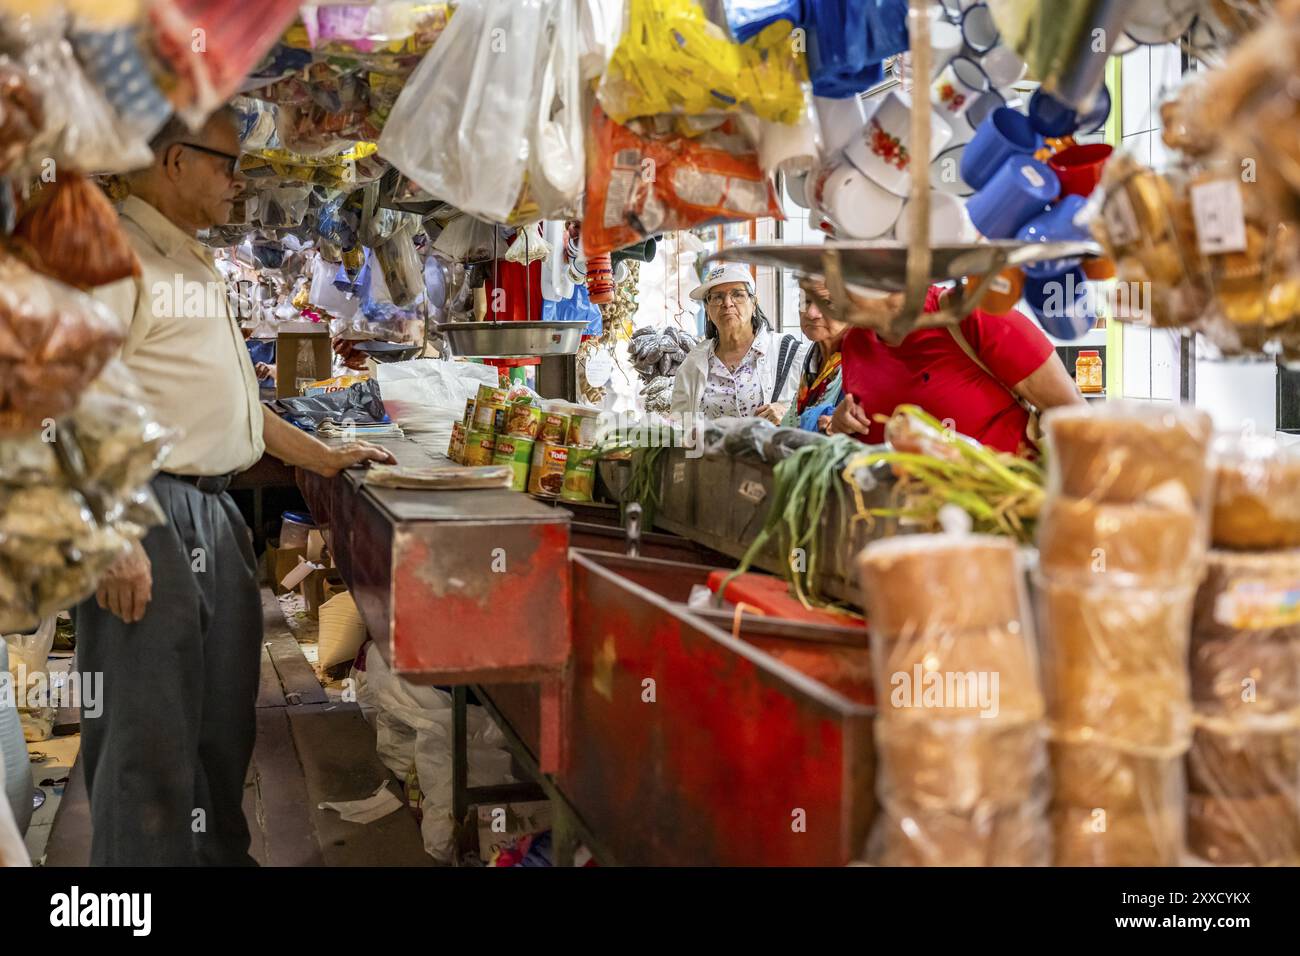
pixel 930 368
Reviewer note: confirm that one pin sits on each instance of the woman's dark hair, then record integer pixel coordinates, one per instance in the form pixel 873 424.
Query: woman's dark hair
pixel 759 322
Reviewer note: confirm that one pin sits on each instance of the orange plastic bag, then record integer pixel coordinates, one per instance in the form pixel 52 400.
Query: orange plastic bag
pixel 644 178
pixel 75 233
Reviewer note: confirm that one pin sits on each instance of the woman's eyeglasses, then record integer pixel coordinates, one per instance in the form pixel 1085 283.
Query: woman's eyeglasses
pixel 736 295
pixel 232 161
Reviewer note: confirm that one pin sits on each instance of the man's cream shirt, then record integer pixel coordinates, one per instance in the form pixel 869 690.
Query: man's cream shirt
pixel 185 348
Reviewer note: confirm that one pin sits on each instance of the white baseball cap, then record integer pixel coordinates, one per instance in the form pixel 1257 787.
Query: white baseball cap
pixel 722 275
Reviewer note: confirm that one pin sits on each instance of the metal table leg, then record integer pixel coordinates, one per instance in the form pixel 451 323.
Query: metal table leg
pixel 459 766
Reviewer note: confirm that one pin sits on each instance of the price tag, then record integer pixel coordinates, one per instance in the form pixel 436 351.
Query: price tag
pixel 600 366
pixel 1120 219
pixel 1220 222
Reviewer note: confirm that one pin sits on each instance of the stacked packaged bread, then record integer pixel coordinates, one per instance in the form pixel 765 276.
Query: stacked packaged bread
pixel 1122 544
pixel 1243 770
pixel 961 744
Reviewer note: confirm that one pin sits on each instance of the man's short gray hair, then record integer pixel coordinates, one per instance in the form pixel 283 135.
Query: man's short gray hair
pixel 176 130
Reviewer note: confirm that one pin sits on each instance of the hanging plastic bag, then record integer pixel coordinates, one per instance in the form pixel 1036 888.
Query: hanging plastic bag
pixel 53 341
pixel 556 152
pixel 599 24
pixel 642 181
pixel 458 128
pixel 81 129
pixel 467 239
pixel 672 59
pixel 401 270
pixel 75 233
pixel 115 63
pixel 212 45
pixel 527 247
pixel 282 207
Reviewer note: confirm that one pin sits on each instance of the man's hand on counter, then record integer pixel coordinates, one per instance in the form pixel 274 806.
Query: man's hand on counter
pixel 354 453
pixel 295 447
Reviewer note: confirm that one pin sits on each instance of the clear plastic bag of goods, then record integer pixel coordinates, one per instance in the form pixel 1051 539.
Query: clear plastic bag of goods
pixel 210 46
pixel 1115 663
pixel 1245 653
pixel 673 59
pixel 399 264
pixel 742 438
pixel 1243 802
pixel 467 239
pixel 116 62
pixel 1091 836
pixel 81 130
pixel 647 177
pixel 1256 493
pixel 1243 781
pixel 283 207
pixel 391 35
pixel 1148 230
pixel 464 128
pixel 1095 784
pixel 74 231
pixel 65 517
pixel 1130 452
pixel 961 743
pixel 21 116
pixel 54 340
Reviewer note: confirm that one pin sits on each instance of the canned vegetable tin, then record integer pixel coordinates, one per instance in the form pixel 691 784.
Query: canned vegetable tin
pixel 479 448
pixel 456 447
pixel 517 453
pixel 579 475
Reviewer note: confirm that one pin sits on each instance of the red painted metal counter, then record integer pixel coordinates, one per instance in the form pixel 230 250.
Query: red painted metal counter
pixel 671 739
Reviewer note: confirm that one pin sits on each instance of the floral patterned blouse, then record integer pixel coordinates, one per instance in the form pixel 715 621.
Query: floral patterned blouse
pixel 737 394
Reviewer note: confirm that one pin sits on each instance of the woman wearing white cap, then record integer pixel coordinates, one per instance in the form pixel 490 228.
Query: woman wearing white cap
pixel 742 367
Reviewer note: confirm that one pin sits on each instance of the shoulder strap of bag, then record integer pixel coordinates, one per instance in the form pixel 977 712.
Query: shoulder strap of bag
pixel 785 358
pixel 1033 429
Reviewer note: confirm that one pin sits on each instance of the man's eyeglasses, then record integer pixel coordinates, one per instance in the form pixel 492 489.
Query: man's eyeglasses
pixel 232 161
pixel 735 295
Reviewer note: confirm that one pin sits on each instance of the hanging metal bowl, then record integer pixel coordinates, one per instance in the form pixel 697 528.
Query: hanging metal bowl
pixel 512 339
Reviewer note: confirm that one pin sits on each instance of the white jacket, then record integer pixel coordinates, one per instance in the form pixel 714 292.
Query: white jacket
pixel 693 373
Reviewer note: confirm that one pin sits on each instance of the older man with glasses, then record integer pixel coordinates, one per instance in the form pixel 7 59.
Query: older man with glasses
pixel 176 626
pixel 741 368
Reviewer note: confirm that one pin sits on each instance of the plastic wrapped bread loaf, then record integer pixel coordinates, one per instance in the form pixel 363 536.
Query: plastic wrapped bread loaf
pixel 960 765
pixel 984 674
pixel 961 743
pixel 1113 780
pixel 1259 831
pixel 1248 592
pixel 1257 494
pixel 1115 666
pixel 1093 836
pixel 1015 837
pixel 938 582
pixel 1127 452
pixel 1250 762
pixel 1249 674
pixel 1103 542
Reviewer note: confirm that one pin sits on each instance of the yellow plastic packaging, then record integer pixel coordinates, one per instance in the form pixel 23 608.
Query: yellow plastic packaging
pixel 672 59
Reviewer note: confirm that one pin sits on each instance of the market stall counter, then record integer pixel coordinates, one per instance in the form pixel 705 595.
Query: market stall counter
pixel 455 587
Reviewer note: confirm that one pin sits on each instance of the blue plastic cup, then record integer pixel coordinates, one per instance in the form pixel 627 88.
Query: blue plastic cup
pixel 1004 133
pixel 1062 303
pixel 1051 117
pixel 1055 225
pixel 1020 190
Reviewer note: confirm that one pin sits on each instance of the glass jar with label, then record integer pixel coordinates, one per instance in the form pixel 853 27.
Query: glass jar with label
pixel 1088 372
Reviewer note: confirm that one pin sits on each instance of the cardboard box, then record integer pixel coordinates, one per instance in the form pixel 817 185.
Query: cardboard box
pixel 301 358
pixel 318 587
pixel 279 562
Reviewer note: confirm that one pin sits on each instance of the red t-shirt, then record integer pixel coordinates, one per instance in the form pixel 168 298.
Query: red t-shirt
pixel 929 369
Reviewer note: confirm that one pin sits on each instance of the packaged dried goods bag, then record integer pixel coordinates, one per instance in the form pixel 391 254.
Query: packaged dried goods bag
pixel 645 178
